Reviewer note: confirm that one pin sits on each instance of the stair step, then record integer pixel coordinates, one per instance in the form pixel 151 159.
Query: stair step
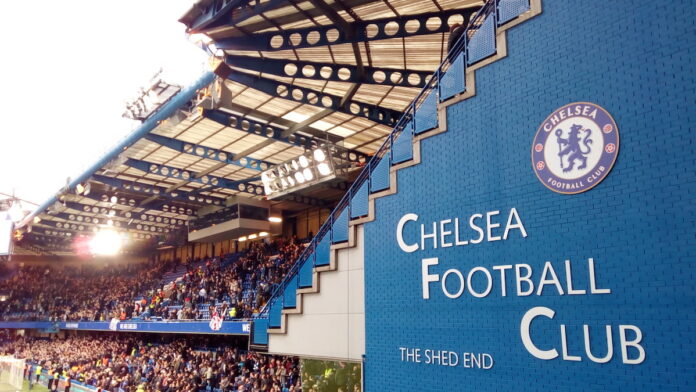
pixel 290 294
pixel 275 313
pixel 307 272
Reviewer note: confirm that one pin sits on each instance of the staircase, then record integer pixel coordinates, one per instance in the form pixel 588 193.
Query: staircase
pixel 483 42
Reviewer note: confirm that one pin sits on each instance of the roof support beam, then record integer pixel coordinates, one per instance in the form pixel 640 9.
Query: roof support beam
pixel 137 202
pixel 312 97
pixel 254 127
pixel 271 132
pixel 363 31
pixel 207 152
pixel 314 133
pixel 84 226
pixel 156 191
pixel 330 72
pixel 207 19
pixel 127 215
pixel 189 176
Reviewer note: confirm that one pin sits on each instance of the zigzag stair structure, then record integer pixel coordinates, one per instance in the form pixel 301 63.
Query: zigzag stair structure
pixel 483 42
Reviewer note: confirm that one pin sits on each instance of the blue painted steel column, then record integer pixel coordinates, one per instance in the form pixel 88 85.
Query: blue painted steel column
pixel 164 112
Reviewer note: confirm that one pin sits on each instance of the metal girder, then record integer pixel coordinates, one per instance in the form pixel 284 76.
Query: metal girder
pixel 214 14
pixel 84 226
pixel 60 231
pixel 157 191
pixel 318 135
pixel 254 127
pixel 220 13
pixel 137 216
pixel 204 19
pixel 330 72
pixel 136 203
pixel 207 152
pixel 127 215
pixel 312 97
pixel 187 175
pixel 270 131
pixel 43 231
pixel 46 241
pixel 362 31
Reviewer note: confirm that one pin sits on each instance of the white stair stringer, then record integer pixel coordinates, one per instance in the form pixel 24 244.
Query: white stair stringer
pixel 338 251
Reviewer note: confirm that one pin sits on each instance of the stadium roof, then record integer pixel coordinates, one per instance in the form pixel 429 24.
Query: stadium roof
pixel 288 75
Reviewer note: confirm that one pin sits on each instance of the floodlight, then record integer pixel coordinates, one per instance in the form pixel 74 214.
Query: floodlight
pixel 324 169
pixel 263 234
pixel 114 199
pixel 319 155
pixel 105 242
pixel 275 219
pixel 252 236
pixel 242 239
pixel 305 170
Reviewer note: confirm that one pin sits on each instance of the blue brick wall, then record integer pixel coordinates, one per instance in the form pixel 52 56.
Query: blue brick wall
pixel 634 58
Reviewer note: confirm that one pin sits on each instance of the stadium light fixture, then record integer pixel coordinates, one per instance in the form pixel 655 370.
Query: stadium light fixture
pixel 83 189
pixel 242 239
pixel 252 236
pixel 275 219
pixel 320 164
pixel 105 242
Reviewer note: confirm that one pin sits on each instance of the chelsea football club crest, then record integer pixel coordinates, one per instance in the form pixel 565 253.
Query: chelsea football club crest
pixel 575 148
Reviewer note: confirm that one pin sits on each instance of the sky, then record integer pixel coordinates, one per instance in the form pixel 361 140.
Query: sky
pixel 67 69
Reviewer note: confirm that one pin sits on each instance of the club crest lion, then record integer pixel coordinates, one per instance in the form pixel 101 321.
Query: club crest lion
pixel 575 148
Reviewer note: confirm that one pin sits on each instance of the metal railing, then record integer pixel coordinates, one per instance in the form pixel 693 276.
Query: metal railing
pixel 404 124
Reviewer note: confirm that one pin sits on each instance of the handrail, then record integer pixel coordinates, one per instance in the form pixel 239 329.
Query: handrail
pixel 461 46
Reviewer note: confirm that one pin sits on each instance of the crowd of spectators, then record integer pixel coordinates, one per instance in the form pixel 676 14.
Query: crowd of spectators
pixel 129 364
pixel 235 291
pixel 68 293
pixel 208 288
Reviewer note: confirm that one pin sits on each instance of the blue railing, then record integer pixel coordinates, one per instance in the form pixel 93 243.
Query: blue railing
pixel 476 43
